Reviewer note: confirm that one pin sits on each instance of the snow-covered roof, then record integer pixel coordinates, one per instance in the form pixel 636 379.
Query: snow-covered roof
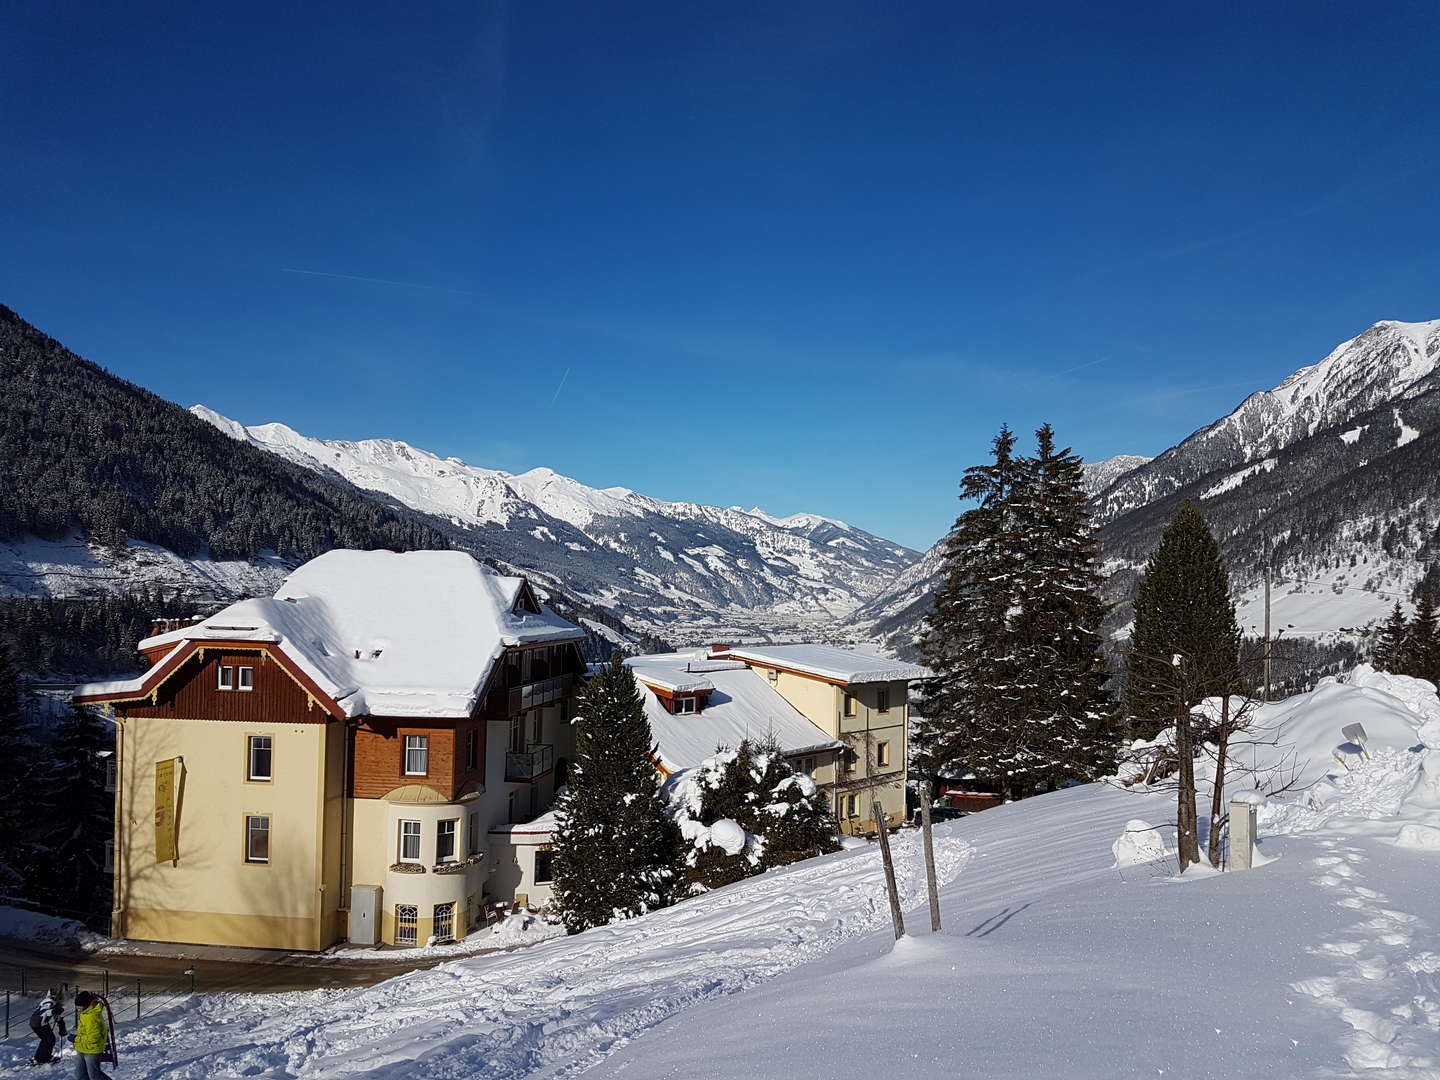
pixel 540 826
pixel 828 662
pixel 383 633
pixel 742 705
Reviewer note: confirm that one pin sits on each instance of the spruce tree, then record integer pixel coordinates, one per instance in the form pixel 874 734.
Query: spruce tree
pixel 1389 651
pixel 78 820
pixel 973 704
pixel 1422 644
pixel 616 850
pixel 1182 609
pixel 1057 616
pixel 16 803
pixel 781 813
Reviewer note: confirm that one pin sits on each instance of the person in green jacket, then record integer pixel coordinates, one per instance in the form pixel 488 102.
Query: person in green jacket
pixel 92 1037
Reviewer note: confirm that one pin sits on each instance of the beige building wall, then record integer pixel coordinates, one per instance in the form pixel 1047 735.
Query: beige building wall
pixel 211 894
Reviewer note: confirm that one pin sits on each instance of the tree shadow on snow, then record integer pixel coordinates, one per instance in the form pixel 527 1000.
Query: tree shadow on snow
pixel 996 921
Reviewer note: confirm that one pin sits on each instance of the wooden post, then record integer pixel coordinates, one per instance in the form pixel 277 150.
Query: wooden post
pixel 929 859
pixel 878 812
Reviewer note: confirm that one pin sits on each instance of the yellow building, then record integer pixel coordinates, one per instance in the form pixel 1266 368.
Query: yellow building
pixel 328 763
pixel 857 698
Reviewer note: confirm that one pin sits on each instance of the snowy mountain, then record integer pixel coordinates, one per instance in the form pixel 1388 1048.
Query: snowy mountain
pixel 662 564
pixel 1099 475
pixel 1334 470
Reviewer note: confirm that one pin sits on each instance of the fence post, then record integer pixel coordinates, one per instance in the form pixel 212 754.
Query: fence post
pixel 929 859
pixel 7 1014
pixel 105 982
pixel 137 999
pixel 22 982
pixel 191 973
pixel 878 812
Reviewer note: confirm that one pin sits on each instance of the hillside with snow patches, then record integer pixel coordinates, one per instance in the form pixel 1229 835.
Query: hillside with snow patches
pixel 1334 471
pixel 664 565
pixel 1057 956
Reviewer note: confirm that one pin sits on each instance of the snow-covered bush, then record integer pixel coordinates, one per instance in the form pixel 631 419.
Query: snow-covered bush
pixel 744 811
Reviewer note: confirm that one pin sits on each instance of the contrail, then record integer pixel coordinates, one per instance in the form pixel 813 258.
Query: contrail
pixel 1082 367
pixel 555 395
pixel 374 280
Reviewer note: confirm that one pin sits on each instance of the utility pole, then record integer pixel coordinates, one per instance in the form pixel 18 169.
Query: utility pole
pixel 1267 620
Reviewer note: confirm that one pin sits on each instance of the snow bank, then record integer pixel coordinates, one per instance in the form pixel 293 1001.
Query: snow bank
pixel 18 924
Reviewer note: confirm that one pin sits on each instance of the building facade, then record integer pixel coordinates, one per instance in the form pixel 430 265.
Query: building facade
pixel 329 763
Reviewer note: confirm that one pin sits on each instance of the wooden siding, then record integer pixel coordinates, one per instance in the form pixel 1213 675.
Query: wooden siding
pixel 191 693
pixel 378 766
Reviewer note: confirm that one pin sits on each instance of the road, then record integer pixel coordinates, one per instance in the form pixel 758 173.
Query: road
pixel 248 970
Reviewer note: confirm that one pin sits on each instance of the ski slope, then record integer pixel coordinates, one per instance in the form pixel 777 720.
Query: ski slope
pixel 1324 962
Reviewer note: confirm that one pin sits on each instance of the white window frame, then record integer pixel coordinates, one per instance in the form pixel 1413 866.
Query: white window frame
pixel 404 834
pixel 417 744
pixel 549 853
pixel 250 833
pixel 472 833
pixel 851 706
pixel 852 805
pixel 225 677
pixel 882 753
pixel 450 826
pixel 245 678
pixel 686 705
pixel 472 748
pixel 250 748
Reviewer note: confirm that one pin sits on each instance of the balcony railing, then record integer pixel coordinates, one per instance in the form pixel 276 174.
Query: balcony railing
pixel 524 766
pixel 533 695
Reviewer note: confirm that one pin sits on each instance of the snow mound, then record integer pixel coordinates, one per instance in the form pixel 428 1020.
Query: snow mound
pixel 1420 837
pixel 1139 844
pixel 728 836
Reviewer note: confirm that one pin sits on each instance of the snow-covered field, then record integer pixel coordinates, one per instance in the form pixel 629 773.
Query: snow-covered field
pixel 1325 962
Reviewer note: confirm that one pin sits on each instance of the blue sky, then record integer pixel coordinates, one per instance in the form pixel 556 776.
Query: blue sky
pixel 808 256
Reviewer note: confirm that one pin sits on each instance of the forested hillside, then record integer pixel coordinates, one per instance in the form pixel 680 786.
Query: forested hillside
pixel 84 449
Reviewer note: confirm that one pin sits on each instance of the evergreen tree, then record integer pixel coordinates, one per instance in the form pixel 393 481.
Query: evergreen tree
pixel 1057 615
pixel 775 814
pixel 1421 652
pixel 616 850
pixel 15 797
pixel 1182 609
pixel 1389 652
pixel 974 702
pixel 78 820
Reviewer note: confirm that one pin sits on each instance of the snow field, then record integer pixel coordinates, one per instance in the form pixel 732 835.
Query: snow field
pixel 552 1010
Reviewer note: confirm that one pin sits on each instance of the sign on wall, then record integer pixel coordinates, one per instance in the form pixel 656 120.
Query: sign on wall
pixel 165 845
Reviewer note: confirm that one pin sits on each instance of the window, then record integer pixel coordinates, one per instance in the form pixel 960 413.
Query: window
pixel 882 753
pixel 226 678
pixel 852 707
pixel 112 767
pixel 442 926
pixel 852 805
pixel 259 756
pixel 772 674
pixel 245 678
pixel 109 856
pixel 445 839
pixel 472 748
pixel 517 735
pixel 417 755
pixel 257 838
pixel 851 759
pixel 684 704
pixel 409 841
pixel 882 700
pixel 407 923
pixel 543 875
pixel 536 719
pixel 472 834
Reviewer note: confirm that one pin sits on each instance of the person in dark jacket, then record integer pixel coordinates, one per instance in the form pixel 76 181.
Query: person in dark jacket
pixel 92 1037
pixel 48 1024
